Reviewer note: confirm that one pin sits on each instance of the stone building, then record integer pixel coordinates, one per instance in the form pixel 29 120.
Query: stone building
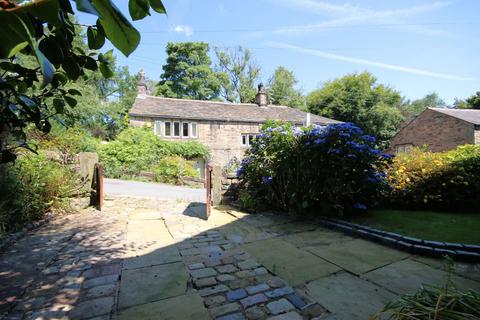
pixel 227 129
pixel 439 129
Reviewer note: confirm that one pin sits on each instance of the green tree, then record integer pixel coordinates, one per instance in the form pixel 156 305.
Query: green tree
pixel 188 73
pixel 473 102
pixel 414 108
pixel 281 89
pixel 46 31
pixel 238 73
pixel 358 98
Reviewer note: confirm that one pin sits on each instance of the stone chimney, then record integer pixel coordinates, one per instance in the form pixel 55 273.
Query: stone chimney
pixel 141 85
pixel 261 97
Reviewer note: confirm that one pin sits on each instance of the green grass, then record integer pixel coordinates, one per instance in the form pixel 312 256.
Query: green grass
pixel 427 225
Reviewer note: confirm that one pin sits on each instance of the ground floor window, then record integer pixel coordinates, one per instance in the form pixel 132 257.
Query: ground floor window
pixel 176 129
pixel 247 138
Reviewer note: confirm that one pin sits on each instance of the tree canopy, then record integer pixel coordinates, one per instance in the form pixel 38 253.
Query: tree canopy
pixel 46 30
pixel 358 98
pixel 281 89
pixel 238 73
pixel 188 73
pixel 473 102
pixel 414 108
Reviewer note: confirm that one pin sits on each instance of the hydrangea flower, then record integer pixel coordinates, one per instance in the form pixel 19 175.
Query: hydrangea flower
pixel 267 180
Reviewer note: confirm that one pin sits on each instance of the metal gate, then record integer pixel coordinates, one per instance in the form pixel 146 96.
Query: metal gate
pixel 208 187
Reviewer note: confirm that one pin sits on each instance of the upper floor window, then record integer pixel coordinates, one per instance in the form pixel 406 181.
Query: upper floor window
pixel 247 138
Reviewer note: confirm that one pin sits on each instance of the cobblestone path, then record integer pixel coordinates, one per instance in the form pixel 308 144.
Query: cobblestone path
pixel 155 259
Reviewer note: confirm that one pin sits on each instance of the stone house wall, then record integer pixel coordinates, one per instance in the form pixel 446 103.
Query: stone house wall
pixel 440 132
pixel 477 134
pixel 223 139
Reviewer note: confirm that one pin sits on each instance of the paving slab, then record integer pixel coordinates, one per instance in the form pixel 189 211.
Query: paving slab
pixel 290 263
pixel 150 284
pixel 467 270
pixel 149 243
pixel 290 227
pixel 358 256
pixel 242 232
pixel 348 296
pixel 407 276
pixel 318 237
pixel 168 309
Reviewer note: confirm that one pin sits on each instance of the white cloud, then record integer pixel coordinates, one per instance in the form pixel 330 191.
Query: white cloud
pixel 183 29
pixel 346 15
pixel 377 64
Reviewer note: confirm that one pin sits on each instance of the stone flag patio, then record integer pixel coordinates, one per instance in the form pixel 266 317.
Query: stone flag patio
pixel 155 259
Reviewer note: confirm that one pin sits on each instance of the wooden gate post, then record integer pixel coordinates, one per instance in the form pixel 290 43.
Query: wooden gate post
pixel 97 186
pixel 208 187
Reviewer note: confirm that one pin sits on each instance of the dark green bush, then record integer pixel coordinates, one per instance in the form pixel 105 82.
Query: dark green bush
pixel 30 187
pixel 446 181
pixel 331 169
pixel 139 149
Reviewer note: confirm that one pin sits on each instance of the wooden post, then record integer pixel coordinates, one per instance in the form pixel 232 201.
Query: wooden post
pixel 97 186
pixel 208 187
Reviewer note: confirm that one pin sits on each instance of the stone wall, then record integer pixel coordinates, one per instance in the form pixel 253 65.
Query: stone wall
pixel 438 131
pixel 224 186
pixel 477 135
pixel 223 139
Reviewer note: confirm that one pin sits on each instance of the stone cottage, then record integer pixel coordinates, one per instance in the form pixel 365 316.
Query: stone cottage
pixel 439 129
pixel 227 129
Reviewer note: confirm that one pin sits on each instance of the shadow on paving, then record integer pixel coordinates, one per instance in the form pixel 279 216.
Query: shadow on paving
pixel 165 262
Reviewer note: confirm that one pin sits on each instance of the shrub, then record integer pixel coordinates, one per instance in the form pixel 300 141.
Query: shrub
pixel 172 169
pixel 139 149
pixel 30 187
pixel 297 169
pixel 448 180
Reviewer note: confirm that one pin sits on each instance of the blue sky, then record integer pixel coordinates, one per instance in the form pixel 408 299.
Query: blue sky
pixel 415 46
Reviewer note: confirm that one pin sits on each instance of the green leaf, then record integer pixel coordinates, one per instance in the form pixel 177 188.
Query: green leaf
pixel 86 6
pixel 16 33
pixel 158 6
pixel 138 9
pixel 71 68
pixel 90 63
pixel 59 105
pixel 45 11
pixel 74 92
pixel 95 37
pixel 105 70
pixel 72 102
pixel 52 50
pixel 117 28
pixel 46 67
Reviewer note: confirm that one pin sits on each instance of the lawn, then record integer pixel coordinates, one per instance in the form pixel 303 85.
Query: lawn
pixel 427 225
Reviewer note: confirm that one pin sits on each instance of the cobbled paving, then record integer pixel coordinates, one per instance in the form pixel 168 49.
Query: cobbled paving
pixel 234 285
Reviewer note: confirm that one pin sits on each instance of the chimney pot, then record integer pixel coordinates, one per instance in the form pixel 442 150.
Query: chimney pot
pixel 261 97
pixel 141 85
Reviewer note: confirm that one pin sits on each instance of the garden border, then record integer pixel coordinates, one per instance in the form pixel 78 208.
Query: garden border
pixel 458 251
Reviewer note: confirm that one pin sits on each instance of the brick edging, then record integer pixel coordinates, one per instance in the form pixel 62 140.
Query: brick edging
pixel 458 251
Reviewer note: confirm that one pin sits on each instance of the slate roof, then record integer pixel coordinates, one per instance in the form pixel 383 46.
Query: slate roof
pixel 150 106
pixel 468 115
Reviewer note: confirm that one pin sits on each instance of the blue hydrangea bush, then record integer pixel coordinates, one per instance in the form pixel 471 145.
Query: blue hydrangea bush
pixel 329 169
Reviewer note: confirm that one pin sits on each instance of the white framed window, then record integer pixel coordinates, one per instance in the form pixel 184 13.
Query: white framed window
pixel 193 130
pixel 185 129
pixel 167 129
pixel 176 129
pixel 157 127
pixel 247 138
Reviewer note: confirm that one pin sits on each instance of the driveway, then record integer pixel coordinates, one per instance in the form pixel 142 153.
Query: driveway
pixel 116 187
